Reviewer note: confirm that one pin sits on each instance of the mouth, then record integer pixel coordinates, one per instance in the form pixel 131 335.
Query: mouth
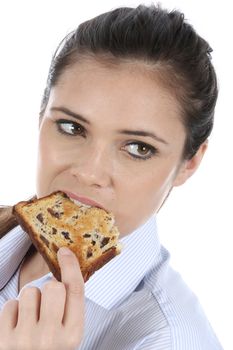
pixel 84 201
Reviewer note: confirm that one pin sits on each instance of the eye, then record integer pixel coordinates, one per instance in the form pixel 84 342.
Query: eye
pixel 69 127
pixel 140 150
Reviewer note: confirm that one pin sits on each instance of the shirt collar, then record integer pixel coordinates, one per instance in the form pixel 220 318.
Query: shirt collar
pixel 110 285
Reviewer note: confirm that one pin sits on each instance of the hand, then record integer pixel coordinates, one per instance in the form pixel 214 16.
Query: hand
pixel 52 319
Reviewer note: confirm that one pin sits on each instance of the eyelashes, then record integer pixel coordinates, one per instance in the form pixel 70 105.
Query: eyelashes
pixel 137 150
pixel 140 150
pixel 70 128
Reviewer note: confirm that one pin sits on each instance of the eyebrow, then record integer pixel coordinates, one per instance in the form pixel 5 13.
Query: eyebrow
pixel 123 131
pixel 143 133
pixel 70 113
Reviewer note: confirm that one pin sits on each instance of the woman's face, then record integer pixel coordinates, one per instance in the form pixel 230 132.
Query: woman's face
pixel 114 136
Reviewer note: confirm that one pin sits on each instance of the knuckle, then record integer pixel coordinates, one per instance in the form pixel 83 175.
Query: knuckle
pixel 53 285
pixel 8 308
pixel 52 339
pixel 6 340
pixel 45 342
pixel 73 341
pixel 23 342
pixel 10 304
pixel 29 292
pixel 76 289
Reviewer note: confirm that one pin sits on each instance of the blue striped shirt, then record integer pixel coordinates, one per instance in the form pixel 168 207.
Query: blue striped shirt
pixel 136 301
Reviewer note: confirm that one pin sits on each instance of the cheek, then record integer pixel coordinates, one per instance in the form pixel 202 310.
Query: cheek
pixel 47 153
pixel 53 153
pixel 141 196
pixel 150 188
pixel 50 161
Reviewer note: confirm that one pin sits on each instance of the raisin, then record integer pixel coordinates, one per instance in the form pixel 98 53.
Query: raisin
pixel 89 252
pixel 93 242
pixel 44 240
pixel 66 234
pixel 40 218
pixel 75 217
pixel 54 213
pixel 54 231
pixel 87 235
pixel 104 241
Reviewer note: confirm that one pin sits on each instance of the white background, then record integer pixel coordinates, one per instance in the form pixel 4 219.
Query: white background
pixel 196 223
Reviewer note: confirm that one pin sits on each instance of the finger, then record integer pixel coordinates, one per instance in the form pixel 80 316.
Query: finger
pixel 9 315
pixel 53 298
pixel 72 278
pixel 29 306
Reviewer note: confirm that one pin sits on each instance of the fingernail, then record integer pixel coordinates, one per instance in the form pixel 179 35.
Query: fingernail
pixel 64 251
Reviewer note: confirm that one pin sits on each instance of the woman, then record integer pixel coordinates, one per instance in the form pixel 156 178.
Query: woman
pixel 125 117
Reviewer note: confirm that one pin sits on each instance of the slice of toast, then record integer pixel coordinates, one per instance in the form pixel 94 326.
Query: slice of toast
pixel 55 221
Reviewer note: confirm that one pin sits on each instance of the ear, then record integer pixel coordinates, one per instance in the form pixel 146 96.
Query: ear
pixel 188 167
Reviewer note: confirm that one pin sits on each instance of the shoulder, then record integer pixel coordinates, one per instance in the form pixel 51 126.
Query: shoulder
pixel 185 324
pixel 158 319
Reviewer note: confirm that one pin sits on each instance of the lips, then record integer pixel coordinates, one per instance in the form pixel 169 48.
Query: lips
pixel 83 200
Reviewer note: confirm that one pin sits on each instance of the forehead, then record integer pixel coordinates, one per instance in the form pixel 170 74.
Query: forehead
pixel 127 92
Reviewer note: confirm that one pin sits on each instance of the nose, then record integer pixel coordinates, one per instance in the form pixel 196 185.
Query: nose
pixel 93 168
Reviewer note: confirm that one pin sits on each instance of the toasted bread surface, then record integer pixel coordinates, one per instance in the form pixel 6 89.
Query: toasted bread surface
pixel 55 221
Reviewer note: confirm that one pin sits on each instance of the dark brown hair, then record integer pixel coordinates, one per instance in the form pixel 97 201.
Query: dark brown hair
pixel 7 220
